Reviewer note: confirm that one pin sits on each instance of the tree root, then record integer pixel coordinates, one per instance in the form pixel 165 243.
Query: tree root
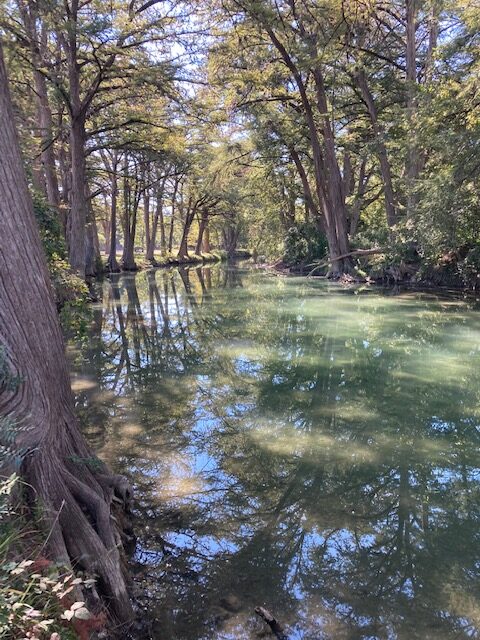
pixel 82 510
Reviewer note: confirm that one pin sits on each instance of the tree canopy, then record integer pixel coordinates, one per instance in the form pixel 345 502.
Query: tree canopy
pixel 171 128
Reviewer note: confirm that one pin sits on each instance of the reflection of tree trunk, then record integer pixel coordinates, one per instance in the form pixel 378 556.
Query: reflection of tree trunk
pixel 208 277
pixel 185 276
pixel 134 320
pixel 121 325
pixel 403 508
pixel 152 291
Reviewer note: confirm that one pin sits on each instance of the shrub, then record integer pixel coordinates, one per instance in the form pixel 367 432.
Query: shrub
pixel 303 244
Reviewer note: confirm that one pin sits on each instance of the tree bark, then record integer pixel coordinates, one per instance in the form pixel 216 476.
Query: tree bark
pixel 307 191
pixel 385 170
pixel 337 227
pixel 130 209
pixel 172 220
pixel 159 218
pixel 78 202
pixel 92 244
pixel 73 495
pixel 146 222
pixel 359 196
pixel 37 45
pixel 328 180
pixel 183 249
pixel 201 230
pixel 112 263
pixel 206 239
pixel 412 164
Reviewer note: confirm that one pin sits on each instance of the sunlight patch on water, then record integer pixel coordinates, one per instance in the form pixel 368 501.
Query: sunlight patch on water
pixel 82 384
pixel 287 441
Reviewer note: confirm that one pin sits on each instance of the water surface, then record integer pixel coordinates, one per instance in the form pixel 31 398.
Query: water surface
pixel 292 444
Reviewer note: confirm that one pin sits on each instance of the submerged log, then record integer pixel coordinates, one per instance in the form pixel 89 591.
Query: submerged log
pixel 272 622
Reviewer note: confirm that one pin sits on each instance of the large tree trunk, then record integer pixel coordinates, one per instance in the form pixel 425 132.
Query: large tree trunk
pixel 160 220
pixel 112 263
pixel 157 218
pixel 381 149
pixel 73 496
pixel 333 178
pixel 48 149
pixel 183 249
pixel 172 219
pixel 38 45
pixel 129 224
pixel 206 239
pixel 92 244
pixel 78 199
pixel 79 204
pixel 356 209
pixel 412 164
pixel 310 204
pixel 328 180
pixel 146 222
pixel 201 230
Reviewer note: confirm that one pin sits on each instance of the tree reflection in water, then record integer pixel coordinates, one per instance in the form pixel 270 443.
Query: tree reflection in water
pixel 292 444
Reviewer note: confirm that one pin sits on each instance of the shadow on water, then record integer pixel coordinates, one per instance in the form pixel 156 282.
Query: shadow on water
pixel 292 444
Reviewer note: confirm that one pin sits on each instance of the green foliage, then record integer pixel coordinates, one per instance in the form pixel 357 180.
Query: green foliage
pixel 50 230
pixel 71 292
pixel 469 268
pixel 303 244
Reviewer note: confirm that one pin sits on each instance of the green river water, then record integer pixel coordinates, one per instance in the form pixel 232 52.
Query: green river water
pixel 293 444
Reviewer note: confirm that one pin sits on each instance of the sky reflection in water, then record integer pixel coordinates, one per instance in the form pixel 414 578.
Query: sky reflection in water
pixel 292 444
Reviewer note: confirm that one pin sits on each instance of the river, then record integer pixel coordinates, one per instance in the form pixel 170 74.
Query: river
pixel 294 444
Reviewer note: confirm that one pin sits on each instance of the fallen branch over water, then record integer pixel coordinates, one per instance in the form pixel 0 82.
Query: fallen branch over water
pixel 272 622
pixel 351 254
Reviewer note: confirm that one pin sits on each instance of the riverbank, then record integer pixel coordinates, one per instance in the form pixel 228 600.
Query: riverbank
pixel 452 270
pixel 172 260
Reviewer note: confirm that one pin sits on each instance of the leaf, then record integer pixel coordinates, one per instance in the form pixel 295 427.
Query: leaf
pixel 67 615
pixel 83 614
